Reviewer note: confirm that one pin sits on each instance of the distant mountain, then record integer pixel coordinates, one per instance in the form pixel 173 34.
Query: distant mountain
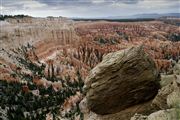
pixel 154 15
pixel 139 16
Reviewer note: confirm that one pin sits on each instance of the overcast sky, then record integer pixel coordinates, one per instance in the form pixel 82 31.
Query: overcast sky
pixel 88 8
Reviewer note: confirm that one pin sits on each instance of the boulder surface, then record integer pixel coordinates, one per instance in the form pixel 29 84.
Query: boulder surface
pixel 123 79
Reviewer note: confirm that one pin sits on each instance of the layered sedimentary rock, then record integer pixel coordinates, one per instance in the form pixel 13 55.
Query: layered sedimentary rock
pixel 84 43
pixel 123 79
pixel 113 36
pixel 125 114
pixel 68 48
pixel 32 30
pixel 166 104
pixel 169 95
pixel 50 36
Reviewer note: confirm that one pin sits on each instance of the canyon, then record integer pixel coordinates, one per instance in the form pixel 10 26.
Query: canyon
pixel 61 48
pixel 84 43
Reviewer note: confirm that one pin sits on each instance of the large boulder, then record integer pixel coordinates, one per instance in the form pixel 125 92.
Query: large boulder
pixel 123 79
pixel 126 114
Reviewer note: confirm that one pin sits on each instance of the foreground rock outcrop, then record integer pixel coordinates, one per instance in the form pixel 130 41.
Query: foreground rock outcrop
pixel 123 79
pixel 169 114
pixel 169 95
pixel 167 101
pixel 122 115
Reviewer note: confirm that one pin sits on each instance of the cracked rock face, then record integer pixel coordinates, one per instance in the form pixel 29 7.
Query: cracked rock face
pixel 169 95
pixel 123 79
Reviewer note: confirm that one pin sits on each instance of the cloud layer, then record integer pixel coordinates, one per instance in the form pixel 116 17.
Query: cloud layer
pixel 87 8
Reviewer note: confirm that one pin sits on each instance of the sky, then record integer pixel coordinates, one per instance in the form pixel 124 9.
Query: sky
pixel 87 8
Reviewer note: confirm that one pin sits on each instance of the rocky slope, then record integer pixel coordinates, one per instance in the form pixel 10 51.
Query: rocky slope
pixel 82 44
pixel 53 38
pixel 107 95
pixel 167 101
pixel 158 38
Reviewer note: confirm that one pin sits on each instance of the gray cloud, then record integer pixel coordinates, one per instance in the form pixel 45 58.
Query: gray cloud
pixel 86 2
pixel 65 2
pixel 129 1
pixel 87 8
